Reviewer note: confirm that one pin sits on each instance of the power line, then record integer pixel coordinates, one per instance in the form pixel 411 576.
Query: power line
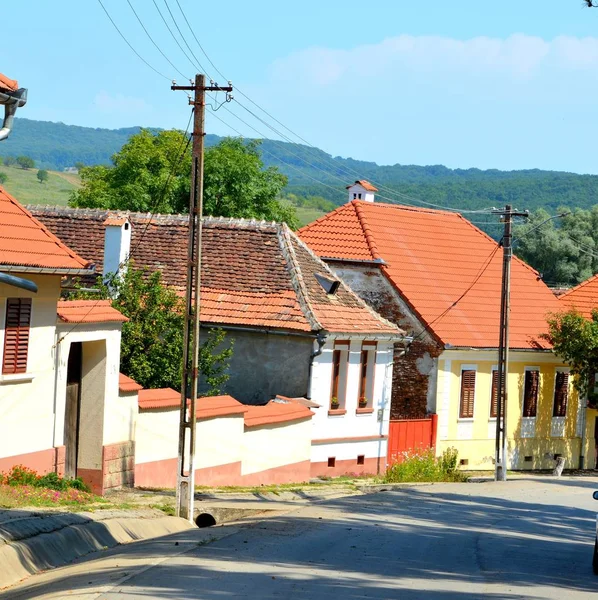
pixel 172 34
pixel 184 38
pixel 153 42
pixel 482 270
pixel 130 46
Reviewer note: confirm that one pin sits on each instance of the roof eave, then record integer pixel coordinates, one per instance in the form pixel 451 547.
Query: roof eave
pixel 47 270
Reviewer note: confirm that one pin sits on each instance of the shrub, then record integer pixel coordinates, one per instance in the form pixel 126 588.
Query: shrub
pixel 20 475
pixel 423 466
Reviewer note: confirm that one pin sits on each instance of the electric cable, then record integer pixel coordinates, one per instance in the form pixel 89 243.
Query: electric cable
pixel 130 46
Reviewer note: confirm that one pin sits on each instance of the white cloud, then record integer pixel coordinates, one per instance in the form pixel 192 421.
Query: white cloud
pixel 118 103
pixel 519 56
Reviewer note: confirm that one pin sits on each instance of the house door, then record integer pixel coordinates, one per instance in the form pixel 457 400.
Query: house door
pixel 73 407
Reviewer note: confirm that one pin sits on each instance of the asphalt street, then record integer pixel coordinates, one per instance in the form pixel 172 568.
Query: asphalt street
pixel 520 539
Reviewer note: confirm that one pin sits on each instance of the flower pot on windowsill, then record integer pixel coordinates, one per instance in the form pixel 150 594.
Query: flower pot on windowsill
pixel 363 403
pixel 335 404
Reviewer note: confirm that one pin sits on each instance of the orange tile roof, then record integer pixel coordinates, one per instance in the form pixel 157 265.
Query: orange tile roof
pixel 159 398
pixel 219 406
pixel 8 84
pixel 432 257
pixel 364 184
pixel 25 242
pixel 276 412
pixel 89 311
pixel 583 297
pixel 126 384
pixel 254 274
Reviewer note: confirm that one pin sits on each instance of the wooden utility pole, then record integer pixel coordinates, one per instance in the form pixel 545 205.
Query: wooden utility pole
pixel 190 381
pixel 501 452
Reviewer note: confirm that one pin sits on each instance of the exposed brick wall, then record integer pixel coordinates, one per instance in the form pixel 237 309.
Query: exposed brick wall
pixel 413 373
pixel 409 385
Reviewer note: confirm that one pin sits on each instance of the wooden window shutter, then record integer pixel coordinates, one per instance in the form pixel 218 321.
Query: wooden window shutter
pixel 467 394
pixel 16 335
pixel 530 393
pixel 336 371
pixel 561 394
pixel 494 394
pixel 364 374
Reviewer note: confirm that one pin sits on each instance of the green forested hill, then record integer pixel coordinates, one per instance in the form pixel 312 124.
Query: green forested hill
pixel 312 172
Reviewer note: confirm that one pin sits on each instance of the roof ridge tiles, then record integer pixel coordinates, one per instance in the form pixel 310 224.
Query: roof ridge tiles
pixel 369 236
pixel 288 252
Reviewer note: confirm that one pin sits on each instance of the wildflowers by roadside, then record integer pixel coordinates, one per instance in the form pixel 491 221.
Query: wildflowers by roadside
pixel 423 466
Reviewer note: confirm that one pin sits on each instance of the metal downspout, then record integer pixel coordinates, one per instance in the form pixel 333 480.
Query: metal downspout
pixel 320 340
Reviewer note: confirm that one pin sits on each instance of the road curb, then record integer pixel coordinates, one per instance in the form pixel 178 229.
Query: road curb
pixel 38 541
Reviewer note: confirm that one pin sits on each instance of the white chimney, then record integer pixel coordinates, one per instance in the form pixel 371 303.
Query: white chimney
pixel 362 190
pixel 117 244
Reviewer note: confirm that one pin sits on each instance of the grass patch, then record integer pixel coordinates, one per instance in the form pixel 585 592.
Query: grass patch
pixel 24 186
pixel 307 215
pixel 423 466
pixel 22 496
pixel 165 508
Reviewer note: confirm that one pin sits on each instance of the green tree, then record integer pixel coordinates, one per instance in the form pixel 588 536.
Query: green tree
pixel 3 177
pixel 9 161
pixel 152 339
pixel 575 339
pixel 151 172
pixel 42 175
pixel 79 165
pixel 25 162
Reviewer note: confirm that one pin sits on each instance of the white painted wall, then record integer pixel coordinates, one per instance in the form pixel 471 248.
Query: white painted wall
pixel 270 446
pixel 27 400
pixel 219 441
pixel 351 424
pixel 157 436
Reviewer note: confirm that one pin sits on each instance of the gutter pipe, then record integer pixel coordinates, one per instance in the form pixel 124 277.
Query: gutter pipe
pixel 11 101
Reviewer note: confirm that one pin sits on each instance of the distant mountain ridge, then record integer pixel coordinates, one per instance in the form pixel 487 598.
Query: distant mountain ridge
pixel 312 171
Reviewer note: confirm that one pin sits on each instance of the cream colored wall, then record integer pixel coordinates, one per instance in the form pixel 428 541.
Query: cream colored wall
pixel 27 400
pixel 277 445
pixel 475 438
pixel 157 435
pixel 219 441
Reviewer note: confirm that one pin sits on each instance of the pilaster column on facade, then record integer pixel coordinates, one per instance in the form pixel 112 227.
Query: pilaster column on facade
pixel 444 397
pixel 353 375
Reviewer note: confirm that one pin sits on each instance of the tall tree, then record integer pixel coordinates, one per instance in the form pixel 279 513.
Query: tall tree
pixel 152 173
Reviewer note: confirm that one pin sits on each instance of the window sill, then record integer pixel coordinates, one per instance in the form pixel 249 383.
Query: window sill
pixel 465 420
pixel 339 412
pixel 16 378
pixel 492 419
pixel 364 411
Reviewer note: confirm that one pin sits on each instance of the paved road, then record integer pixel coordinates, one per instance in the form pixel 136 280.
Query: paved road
pixel 520 539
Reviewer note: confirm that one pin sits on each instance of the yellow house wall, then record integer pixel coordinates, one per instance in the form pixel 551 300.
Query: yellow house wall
pixel 475 438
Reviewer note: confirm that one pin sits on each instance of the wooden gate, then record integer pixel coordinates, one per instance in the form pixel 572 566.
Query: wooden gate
pixel 411 434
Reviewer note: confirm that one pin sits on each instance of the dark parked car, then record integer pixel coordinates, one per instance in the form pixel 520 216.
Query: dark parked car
pixel 595 561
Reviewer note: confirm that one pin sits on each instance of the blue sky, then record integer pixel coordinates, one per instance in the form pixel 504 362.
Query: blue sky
pixel 510 84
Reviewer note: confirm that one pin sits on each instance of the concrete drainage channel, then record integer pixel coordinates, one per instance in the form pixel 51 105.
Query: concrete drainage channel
pixel 209 516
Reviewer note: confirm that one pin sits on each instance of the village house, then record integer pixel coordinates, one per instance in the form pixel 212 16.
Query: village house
pixel 298 331
pixel 438 277
pixel 59 405
pixel 584 299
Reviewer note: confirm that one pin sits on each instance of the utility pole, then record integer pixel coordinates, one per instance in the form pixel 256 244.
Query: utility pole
pixel 185 491
pixel 501 451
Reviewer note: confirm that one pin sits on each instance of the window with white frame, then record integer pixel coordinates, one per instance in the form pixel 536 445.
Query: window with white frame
pixel 561 393
pixel 466 404
pixel 340 368
pixel 366 374
pixel 531 390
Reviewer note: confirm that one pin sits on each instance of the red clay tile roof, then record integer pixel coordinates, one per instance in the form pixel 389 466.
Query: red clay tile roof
pixel 364 184
pixel 8 84
pixel 432 257
pixel 276 412
pixel 126 384
pixel 583 297
pixel 89 311
pixel 25 242
pixel 219 406
pixel 159 398
pixel 254 274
